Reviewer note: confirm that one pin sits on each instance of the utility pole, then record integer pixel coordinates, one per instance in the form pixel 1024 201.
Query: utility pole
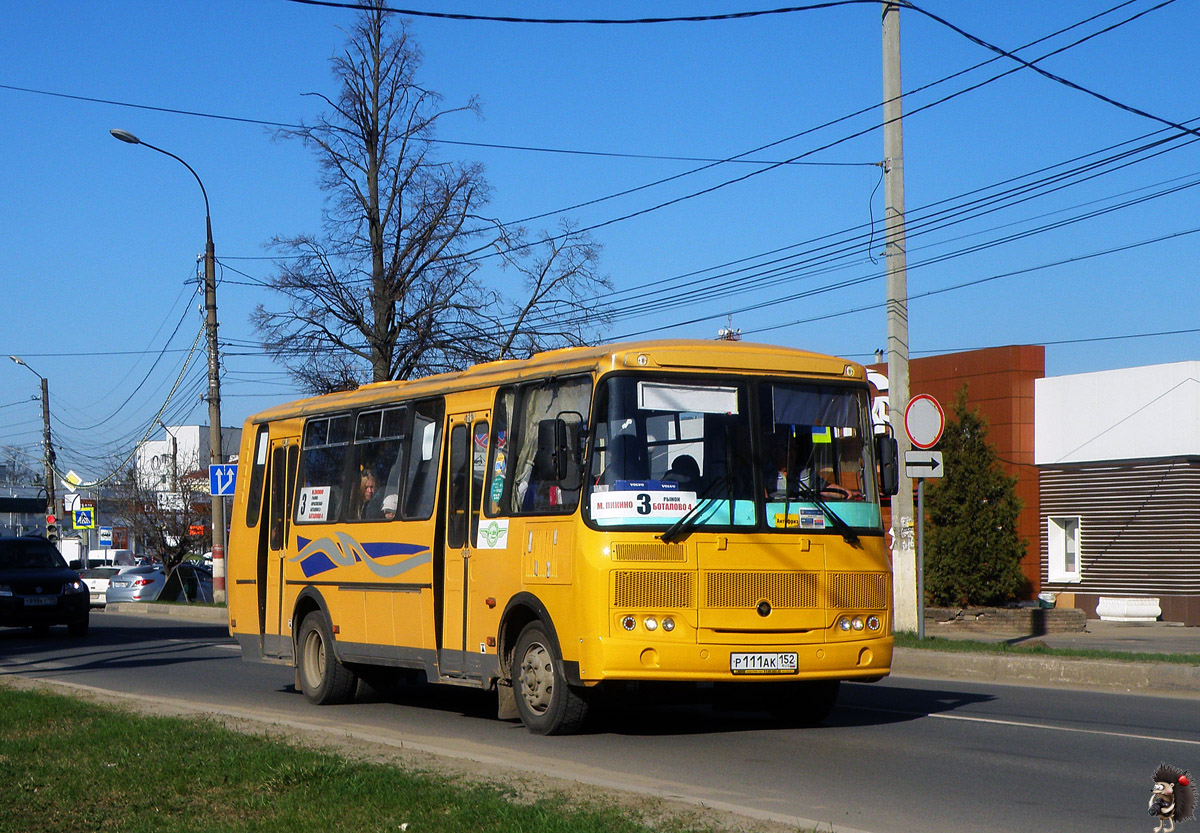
pixel 47 449
pixel 49 458
pixel 904 556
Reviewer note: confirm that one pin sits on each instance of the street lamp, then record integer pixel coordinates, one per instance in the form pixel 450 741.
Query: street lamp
pixel 214 370
pixel 48 450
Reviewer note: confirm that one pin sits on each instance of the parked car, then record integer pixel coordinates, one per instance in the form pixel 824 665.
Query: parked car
pixel 145 584
pixel 38 590
pixel 97 579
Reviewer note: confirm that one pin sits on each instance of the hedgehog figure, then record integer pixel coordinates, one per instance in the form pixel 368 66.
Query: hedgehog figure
pixel 1173 797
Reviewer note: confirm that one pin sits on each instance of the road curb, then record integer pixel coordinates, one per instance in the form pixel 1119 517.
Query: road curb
pixel 202 613
pixel 1112 675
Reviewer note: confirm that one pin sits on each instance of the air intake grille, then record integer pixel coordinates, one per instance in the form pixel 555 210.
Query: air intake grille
pixel 782 590
pixel 861 591
pixel 644 588
pixel 649 552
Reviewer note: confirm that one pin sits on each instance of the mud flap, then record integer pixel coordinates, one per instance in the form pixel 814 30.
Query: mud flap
pixel 506 701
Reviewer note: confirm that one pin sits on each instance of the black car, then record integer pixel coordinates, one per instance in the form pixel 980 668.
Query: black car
pixel 38 590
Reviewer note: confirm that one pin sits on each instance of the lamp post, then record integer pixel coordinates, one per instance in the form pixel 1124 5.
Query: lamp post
pixel 214 375
pixel 48 448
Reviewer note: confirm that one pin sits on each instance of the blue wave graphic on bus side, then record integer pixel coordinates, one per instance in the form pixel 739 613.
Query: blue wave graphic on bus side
pixel 342 550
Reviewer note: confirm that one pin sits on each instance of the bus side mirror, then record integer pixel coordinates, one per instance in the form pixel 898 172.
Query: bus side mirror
pixel 888 454
pixel 550 461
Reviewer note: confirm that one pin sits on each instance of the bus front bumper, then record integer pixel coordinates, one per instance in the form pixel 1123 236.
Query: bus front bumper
pixel 612 659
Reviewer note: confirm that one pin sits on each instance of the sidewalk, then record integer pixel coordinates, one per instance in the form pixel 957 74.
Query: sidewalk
pixel 1137 637
pixel 1161 678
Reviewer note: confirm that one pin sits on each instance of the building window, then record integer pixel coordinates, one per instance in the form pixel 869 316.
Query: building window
pixel 1062 535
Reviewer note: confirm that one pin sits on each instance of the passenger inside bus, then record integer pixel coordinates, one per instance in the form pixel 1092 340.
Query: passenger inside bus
pixel 361 503
pixel 685 471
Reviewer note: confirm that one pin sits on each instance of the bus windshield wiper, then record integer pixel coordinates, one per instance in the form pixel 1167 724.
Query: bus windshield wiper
pixel 811 495
pixel 689 519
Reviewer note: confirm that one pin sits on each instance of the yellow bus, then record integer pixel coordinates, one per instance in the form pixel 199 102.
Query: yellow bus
pixel 701 512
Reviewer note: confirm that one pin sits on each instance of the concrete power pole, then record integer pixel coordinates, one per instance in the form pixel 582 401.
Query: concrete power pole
pixel 904 554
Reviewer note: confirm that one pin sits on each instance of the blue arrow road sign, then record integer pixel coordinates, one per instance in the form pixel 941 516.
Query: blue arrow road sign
pixel 221 478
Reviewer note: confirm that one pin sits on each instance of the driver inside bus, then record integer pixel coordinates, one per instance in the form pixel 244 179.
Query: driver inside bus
pixel 792 471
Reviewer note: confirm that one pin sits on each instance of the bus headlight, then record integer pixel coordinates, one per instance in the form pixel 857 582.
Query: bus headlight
pixel 857 623
pixel 844 623
pixel 651 623
pixel 668 624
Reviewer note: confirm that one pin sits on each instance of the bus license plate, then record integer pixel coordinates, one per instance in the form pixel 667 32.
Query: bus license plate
pixel 764 663
pixel 31 601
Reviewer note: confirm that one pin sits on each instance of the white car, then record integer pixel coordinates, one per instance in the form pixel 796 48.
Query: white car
pixel 97 579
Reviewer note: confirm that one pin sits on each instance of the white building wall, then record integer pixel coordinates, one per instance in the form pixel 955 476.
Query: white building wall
pixel 191 449
pixel 1150 412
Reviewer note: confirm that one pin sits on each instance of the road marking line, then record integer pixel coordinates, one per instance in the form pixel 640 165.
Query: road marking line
pixel 1028 725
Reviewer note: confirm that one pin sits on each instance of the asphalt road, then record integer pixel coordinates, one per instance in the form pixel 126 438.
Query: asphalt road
pixel 897 756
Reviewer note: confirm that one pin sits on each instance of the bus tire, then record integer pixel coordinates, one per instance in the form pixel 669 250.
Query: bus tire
pixel 804 703
pixel 546 704
pixel 323 679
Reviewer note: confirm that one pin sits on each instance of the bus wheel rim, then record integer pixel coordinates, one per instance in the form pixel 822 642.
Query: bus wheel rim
pixel 537 678
pixel 314 658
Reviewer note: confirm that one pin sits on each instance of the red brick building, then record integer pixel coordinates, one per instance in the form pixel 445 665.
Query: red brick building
pixel 1000 385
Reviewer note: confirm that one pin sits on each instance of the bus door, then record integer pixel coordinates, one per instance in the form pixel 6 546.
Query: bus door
pixel 281 477
pixel 464 492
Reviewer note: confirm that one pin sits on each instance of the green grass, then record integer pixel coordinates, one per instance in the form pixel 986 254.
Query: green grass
pixel 73 767
pixel 1035 648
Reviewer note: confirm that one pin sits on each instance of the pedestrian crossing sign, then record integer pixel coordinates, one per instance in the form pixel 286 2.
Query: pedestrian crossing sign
pixel 84 518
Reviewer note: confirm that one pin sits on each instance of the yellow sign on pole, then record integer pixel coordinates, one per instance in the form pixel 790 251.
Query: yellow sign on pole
pixel 83 519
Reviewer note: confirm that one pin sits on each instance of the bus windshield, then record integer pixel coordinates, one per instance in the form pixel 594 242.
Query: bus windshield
pixel 672 453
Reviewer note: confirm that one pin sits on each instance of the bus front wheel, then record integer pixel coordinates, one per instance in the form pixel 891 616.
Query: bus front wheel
pixel 546 703
pixel 323 679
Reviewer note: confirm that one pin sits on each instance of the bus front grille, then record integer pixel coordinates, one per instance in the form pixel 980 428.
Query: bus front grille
pixel 652 588
pixel 732 590
pixel 861 591
pixel 745 590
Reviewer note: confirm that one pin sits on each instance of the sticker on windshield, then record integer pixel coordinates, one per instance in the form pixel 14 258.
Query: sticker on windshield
pixel 658 503
pixel 806 519
pixel 314 503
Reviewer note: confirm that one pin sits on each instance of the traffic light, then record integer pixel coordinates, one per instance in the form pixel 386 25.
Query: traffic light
pixel 51 530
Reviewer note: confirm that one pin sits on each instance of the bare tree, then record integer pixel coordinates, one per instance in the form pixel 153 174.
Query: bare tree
pixel 166 527
pixel 391 287
pixel 561 282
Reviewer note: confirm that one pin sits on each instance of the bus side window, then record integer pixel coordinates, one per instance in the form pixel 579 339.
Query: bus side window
pixel 257 473
pixel 550 417
pixel 498 481
pixel 323 463
pixel 425 443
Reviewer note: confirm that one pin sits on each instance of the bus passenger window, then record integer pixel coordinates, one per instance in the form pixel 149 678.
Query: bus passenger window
pixel 378 450
pixel 425 443
pixel 323 459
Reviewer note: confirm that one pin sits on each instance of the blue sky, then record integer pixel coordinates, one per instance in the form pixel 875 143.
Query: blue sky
pixel 101 238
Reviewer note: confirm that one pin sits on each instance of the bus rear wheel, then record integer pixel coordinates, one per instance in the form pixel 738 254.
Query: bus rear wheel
pixel 323 679
pixel 546 703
